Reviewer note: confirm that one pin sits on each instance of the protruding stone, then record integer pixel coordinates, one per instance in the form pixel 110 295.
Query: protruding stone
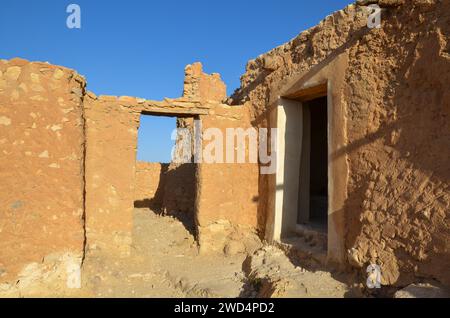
pixel 56 127
pixel 44 154
pixel 15 95
pixel 58 74
pixel 233 248
pixel 23 87
pixel 423 291
pixel 36 88
pixel 35 78
pixel 5 121
pixel 13 72
pixel 38 98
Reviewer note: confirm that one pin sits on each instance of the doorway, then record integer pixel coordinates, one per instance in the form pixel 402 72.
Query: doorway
pixel 313 174
pixel 301 206
pixel 164 185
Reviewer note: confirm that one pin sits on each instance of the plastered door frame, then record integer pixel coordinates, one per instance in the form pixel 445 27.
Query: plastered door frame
pixel 286 180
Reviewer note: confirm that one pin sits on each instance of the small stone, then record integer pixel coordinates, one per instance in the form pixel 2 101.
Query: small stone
pixel 56 127
pixel 68 110
pixel 13 72
pixel 36 88
pixel 38 98
pixel 5 121
pixel 423 291
pixel 35 78
pixel 15 95
pixel 233 248
pixel 44 154
pixel 389 230
pixel 77 91
pixel 23 87
pixel 58 74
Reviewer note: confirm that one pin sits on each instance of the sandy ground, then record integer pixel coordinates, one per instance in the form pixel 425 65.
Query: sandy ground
pixel 165 263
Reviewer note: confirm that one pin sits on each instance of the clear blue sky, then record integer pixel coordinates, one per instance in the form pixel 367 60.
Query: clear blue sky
pixel 139 48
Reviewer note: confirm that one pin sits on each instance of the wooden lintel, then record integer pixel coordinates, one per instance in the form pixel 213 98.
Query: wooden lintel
pixel 174 111
pixel 309 93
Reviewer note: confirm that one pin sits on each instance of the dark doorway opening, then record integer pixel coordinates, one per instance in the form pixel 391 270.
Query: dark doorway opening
pixel 313 185
pixel 318 183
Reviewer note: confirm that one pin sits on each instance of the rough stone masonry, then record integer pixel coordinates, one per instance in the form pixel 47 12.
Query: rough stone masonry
pixel 62 195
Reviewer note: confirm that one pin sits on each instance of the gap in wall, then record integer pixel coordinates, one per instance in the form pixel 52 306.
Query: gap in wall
pixel 163 186
pixel 154 138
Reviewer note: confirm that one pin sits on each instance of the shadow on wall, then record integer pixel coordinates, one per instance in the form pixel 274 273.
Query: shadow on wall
pixel 155 202
pixel 398 149
pixel 174 194
pixel 267 119
pixel 402 175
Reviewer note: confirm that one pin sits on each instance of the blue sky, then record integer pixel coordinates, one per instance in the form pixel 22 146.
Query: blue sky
pixel 140 47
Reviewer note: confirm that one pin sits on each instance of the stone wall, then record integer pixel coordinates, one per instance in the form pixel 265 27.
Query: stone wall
pixel 392 86
pixel 41 172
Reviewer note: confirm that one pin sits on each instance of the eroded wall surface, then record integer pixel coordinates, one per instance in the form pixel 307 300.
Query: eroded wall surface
pixel 226 194
pixel 396 105
pixel 41 173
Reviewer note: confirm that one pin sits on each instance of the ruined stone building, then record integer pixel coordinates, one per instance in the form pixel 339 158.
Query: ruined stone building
pixel 363 148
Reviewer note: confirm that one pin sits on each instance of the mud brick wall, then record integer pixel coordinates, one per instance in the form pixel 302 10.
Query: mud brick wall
pixel 41 171
pixel 227 193
pixel 165 188
pixel 111 134
pixel 396 102
pixel 149 185
pixel 180 189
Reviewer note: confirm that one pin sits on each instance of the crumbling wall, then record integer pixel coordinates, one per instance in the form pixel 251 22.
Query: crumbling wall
pixel 201 86
pixel 396 101
pixel 41 172
pixel 226 193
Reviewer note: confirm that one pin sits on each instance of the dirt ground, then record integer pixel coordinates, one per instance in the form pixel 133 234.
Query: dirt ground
pixel 165 263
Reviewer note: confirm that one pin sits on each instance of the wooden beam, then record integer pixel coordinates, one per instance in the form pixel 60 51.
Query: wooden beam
pixel 309 93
